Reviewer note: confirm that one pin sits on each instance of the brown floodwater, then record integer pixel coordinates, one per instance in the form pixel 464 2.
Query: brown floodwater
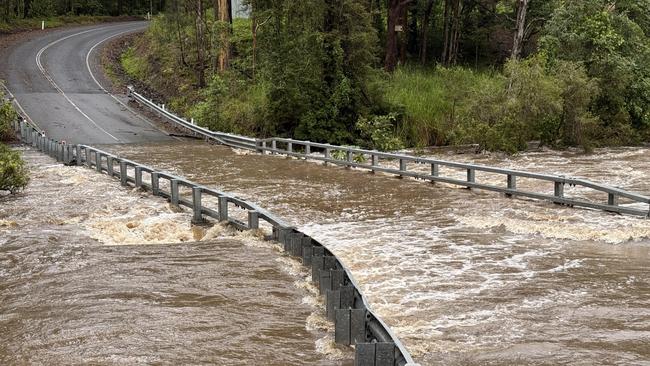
pixel 465 277
pixel 92 273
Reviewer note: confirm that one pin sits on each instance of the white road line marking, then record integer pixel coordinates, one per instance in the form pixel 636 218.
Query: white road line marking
pixel 49 78
pixel 109 93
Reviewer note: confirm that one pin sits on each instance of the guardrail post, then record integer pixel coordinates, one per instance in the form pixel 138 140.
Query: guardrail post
pixel 559 189
pixel 79 158
pixel 109 166
pixel 174 192
pixel 138 177
pixel 259 147
pixel 327 155
pixel 350 326
pixel 223 208
pixel 274 147
pixel 349 158
pixel 471 177
pixel 197 218
pixel 375 162
pixel 307 250
pixel 55 150
pixel 317 262
pixel 296 244
pixel 98 161
pixel 264 147
pixel 512 184
pixel 402 167
pixel 66 154
pixel 290 147
pixel 283 234
pixel 341 297
pixel 129 92
pixel 307 149
pixel 123 173
pixel 155 183
pixel 253 220
pixel 612 199
pixel 375 354
pixel 435 171
pixel 34 138
pixel 88 157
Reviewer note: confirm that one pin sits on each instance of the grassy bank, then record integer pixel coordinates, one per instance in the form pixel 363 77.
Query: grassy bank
pixel 22 25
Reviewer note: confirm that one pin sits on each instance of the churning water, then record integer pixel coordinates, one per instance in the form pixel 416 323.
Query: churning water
pixel 80 285
pixel 465 277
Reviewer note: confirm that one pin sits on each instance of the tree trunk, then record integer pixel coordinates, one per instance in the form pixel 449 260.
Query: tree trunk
pixel 200 45
pixel 395 8
pixel 451 34
pixel 517 44
pixel 403 39
pixel 445 34
pixel 424 31
pixel 223 13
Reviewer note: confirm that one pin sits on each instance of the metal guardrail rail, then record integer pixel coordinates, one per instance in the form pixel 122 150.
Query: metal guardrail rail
pixel 220 137
pixel 355 323
pixel 371 160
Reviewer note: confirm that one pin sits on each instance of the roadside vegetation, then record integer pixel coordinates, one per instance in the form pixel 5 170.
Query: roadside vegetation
pixel 22 15
pixel 13 172
pixel 389 74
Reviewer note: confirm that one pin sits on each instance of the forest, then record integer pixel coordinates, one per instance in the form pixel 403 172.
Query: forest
pixel 389 74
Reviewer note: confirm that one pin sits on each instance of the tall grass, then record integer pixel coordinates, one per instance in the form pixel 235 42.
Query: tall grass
pixel 431 100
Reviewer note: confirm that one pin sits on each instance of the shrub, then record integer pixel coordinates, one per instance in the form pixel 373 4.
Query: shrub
pixel 134 66
pixel 7 116
pixel 378 132
pixel 13 173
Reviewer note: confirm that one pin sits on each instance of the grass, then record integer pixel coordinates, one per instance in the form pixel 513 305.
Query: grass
pixel 432 99
pixel 20 25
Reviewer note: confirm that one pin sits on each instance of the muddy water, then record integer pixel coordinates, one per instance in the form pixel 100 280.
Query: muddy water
pixel 88 276
pixel 466 277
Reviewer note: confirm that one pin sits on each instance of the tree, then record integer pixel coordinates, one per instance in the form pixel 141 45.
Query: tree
pixel 522 8
pixel 396 10
pixel 612 42
pixel 223 14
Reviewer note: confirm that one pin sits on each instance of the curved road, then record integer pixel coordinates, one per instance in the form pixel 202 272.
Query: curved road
pixel 56 81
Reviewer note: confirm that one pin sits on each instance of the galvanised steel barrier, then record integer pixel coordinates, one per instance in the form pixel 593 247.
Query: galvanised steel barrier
pixel 355 323
pixel 220 137
pixel 371 160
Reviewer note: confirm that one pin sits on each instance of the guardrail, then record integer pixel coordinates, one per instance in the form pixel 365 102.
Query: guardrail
pixel 371 160
pixel 355 323
pixel 220 137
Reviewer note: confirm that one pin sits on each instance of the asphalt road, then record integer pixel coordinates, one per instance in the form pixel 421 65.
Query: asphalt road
pixel 56 80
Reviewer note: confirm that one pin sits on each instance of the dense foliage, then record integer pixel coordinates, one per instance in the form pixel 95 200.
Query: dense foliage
pixel 19 9
pixel 13 173
pixel 389 73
